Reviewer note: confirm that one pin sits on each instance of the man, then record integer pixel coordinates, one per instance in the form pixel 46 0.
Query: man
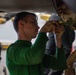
pixel 23 58
pixel 66 42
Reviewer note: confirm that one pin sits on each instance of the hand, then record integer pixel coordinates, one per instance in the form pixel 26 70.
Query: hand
pixel 59 30
pixel 48 27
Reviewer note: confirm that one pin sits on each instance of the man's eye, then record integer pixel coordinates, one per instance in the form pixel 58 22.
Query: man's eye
pixel 33 22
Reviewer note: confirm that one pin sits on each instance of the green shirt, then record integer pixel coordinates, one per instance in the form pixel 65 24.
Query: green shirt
pixel 23 58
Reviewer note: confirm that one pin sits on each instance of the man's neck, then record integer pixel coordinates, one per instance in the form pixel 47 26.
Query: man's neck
pixel 23 37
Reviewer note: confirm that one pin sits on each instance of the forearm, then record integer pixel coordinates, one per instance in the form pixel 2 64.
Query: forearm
pixel 56 62
pixel 59 43
pixel 61 58
pixel 38 49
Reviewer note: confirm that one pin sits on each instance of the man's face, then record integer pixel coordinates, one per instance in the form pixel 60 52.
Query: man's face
pixel 31 26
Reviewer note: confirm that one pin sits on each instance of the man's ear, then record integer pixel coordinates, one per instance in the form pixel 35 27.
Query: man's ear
pixel 21 23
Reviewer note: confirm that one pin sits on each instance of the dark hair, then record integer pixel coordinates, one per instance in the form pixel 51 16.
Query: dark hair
pixel 20 16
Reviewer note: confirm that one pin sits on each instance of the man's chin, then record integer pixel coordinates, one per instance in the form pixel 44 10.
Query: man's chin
pixel 34 36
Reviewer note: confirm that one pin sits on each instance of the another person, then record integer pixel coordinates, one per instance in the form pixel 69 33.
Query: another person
pixel 67 41
pixel 23 58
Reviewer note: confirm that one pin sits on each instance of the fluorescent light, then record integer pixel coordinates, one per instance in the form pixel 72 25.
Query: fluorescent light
pixel 37 13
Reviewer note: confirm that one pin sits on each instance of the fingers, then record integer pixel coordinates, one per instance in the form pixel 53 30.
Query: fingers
pixel 59 29
pixel 56 23
pixel 48 27
pixel 51 26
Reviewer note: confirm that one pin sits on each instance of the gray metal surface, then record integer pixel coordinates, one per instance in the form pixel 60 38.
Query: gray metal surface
pixel 27 5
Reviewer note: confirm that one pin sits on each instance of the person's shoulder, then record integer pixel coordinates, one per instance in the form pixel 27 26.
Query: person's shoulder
pixel 12 46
